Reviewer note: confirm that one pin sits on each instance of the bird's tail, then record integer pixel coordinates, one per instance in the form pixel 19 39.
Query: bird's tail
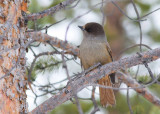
pixel 106 95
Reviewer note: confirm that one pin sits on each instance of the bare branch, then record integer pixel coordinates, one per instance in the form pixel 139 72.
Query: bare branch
pixel 45 28
pixel 116 5
pixel 150 13
pixel 142 91
pixel 52 10
pixel 94 102
pixel 146 65
pixel 96 74
pixel 122 51
pixel 41 37
pixel 128 101
pixel 140 27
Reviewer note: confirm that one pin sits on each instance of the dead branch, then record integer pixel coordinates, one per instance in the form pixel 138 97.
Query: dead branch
pixel 96 74
pixel 142 91
pixel 139 24
pixel 52 10
pixel 41 37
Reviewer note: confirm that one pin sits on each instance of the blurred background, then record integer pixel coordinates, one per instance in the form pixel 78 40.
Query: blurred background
pixel 48 75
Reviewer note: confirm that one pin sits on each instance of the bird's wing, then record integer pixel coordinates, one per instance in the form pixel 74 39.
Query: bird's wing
pixel 109 50
pixel 112 76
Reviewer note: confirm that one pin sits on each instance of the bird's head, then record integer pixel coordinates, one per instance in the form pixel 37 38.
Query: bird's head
pixel 92 29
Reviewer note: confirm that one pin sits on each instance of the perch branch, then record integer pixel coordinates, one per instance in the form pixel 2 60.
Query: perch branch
pixel 97 74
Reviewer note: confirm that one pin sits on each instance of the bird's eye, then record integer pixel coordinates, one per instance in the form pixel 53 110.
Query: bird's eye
pixel 88 30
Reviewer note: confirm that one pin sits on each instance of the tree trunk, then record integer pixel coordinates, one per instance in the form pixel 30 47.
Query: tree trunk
pixel 114 29
pixel 12 57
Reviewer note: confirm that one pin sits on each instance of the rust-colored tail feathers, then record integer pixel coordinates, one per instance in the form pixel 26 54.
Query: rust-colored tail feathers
pixel 106 95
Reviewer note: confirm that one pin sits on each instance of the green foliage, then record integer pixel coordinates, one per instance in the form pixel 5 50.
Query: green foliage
pixel 155 35
pixel 45 64
pixel 35 7
pixel 144 7
pixel 33 75
pixel 154 110
pixel 155 89
pixel 70 108
pixel 121 105
pixel 138 103
pixel 144 79
pixel 40 23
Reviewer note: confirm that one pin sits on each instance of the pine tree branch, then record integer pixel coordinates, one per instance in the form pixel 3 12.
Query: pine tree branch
pixel 42 37
pixel 52 10
pixel 98 73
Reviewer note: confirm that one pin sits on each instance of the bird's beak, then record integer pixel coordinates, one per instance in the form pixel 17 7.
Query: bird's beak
pixel 81 27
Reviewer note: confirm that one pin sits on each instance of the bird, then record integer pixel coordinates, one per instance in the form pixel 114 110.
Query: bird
pixel 95 49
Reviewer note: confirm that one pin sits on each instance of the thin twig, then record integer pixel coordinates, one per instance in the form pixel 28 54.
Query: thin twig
pixel 72 87
pixel 140 27
pixel 128 102
pixel 45 28
pixel 122 51
pixel 146 65
pixel 150 13
pixel 102 11
pixel 36 57
pixel 94 102
pixel 136 20
pixel 74 5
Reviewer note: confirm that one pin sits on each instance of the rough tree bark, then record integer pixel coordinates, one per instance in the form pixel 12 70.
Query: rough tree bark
pixel 12 57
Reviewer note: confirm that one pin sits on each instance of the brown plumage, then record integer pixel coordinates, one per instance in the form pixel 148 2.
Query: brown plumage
pixel 95 49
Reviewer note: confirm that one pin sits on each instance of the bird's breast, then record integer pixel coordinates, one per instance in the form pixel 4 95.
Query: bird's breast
pixel 92 52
